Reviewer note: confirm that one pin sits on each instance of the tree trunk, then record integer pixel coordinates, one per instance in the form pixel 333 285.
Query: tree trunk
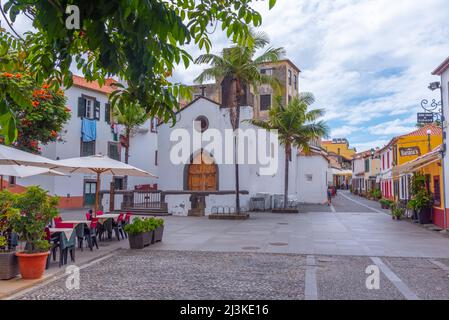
pixel 128 133
pixel 125 178
pixel 235 119
pixel 237 186
pixel 287 153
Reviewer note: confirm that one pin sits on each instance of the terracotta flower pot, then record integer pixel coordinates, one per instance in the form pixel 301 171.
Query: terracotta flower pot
pixel 32 265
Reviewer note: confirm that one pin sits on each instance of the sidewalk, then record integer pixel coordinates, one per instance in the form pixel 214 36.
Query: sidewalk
pixel 13 286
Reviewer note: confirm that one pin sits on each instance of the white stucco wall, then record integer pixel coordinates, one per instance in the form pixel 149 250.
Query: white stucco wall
pixel 172 175
pixel 314 191
pixel 143 146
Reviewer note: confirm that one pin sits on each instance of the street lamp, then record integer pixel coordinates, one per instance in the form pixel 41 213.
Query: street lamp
pixel 434 85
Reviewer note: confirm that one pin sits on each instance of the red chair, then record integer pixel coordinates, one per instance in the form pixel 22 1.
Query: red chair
pixel 60 224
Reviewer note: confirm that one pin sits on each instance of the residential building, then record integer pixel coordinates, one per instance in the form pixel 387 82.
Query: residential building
pixel 403 149
pixel 89 104
pixel 361 169
pixel 284 70
pixel 340 156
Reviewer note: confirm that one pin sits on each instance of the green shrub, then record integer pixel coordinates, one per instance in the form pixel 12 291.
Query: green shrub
pixel 397 211
pixel 385 202
pixel 136 227
pixel 34 210
pixel 143 225
pixel 376 194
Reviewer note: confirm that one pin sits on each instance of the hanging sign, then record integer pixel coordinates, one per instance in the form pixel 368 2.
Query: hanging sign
pixel 425 117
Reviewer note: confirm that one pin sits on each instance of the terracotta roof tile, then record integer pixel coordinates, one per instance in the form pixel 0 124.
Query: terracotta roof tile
pixel 434 131
pixel 107 88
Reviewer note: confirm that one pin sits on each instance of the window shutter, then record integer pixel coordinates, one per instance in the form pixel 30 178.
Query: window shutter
pixel 107 113
pixel 97 110
pixel 81 107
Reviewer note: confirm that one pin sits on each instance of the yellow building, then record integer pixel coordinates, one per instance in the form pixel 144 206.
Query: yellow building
pixel 339 147
pixel 414 144
pixel 430 166
pixel 410 146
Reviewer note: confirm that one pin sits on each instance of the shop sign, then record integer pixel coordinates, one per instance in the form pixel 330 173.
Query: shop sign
pixel 409 151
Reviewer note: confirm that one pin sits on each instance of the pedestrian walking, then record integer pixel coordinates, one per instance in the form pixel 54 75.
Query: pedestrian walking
pixel 329 196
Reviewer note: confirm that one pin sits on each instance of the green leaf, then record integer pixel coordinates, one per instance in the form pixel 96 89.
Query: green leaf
pixel 271 4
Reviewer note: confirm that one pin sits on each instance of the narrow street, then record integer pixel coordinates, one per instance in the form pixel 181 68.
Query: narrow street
pixel 315 255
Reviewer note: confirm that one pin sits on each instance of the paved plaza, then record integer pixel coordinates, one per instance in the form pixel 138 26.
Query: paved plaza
pixel 319 254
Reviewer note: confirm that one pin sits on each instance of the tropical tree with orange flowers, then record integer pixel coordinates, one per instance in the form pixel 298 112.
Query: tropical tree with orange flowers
pixel 29 113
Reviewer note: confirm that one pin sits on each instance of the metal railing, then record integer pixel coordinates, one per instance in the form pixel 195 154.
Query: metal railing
pixel 141 199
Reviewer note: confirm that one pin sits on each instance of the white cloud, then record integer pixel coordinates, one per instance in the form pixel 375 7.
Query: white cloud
pixel 392 128
pixel 343 131
pixel 364 60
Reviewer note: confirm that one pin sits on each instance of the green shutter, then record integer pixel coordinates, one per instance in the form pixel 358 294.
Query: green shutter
pixel 97 110
pixel 81 107
pixel 107 113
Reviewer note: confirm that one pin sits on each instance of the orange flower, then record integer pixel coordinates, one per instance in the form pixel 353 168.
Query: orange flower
pixel 46 86
pixel 35 103
pixel 7 74
pixel 18 76
pixel 53 133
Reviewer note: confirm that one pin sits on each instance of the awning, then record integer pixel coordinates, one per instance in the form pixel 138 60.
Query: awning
pixel 339 172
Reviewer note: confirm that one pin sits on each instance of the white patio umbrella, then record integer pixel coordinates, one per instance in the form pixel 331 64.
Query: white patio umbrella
pixel 25 171
pixel 99 164
pixel 13 156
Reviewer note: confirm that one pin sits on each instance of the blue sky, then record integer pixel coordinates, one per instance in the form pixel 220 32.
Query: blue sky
pixel 368 62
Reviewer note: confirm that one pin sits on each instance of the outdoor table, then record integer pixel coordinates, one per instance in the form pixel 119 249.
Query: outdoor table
pixel 77 222
pixel 68 232
pixel 102 218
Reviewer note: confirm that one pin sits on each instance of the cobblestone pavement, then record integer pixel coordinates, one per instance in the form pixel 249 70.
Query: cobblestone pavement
pixel 149 274
pixel 315 254
pixel 185 275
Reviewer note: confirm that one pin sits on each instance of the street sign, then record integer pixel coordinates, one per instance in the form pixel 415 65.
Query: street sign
pixel 425 117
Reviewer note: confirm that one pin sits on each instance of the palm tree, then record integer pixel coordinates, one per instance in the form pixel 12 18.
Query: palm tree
pixel 239 66
pixel 131 115
pixel 296 126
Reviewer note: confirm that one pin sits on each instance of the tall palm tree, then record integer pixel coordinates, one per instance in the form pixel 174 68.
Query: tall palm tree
pixel 296 126
pixel 239 65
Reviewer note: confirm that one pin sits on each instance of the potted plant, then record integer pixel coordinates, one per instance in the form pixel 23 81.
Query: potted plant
pixel 35 210
pixel 376 194
pixel 397 212
pixel 422 199
pixel 423 206
pixel 140 233
pixel 411 205
pixel 136 234
pixel 385 203
pixel 159 231
pixel 9 266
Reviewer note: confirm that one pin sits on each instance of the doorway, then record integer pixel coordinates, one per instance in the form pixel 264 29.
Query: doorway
pixel 202 174
pixel 90 187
